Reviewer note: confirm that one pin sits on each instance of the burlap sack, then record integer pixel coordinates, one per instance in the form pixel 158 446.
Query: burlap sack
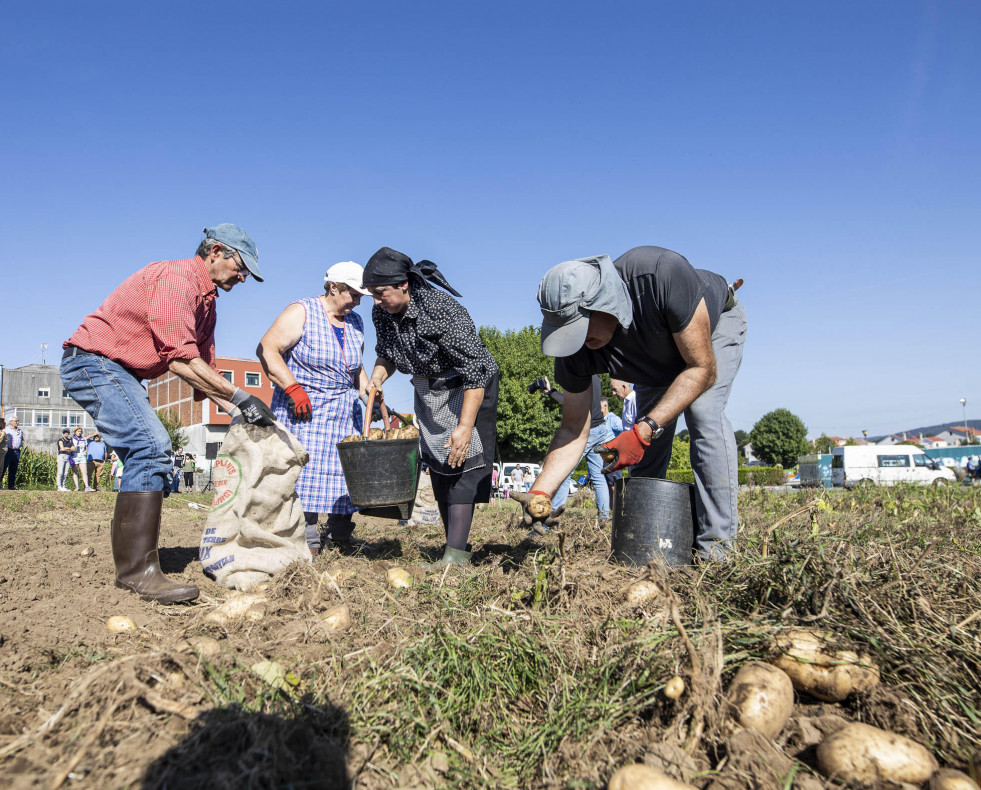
pixel 256 524
pixel 424 510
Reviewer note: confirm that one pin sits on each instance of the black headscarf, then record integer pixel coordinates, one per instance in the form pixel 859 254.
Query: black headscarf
pixel 391 267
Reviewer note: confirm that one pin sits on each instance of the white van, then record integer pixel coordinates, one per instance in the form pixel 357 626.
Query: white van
pixel 504 474
pixel 885 465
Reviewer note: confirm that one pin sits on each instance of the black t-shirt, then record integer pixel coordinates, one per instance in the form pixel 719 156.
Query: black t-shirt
pixel 596 411
pixel 664 291
pixel 68 443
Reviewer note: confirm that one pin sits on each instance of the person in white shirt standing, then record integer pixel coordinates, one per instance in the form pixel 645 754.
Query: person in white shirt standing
pixel 15 443
pixel 626 393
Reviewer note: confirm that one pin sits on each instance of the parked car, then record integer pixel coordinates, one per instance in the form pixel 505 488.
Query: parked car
pixel 885 465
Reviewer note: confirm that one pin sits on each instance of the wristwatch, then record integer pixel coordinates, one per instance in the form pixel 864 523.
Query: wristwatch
pixel 656 430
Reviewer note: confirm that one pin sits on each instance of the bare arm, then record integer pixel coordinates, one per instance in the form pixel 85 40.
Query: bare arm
pixel 383 370
pixel 200 375
pixel 695 345
pixel 459 441
pixel 363 382
pixel 553 393
pixel 568 443
pixel 284 333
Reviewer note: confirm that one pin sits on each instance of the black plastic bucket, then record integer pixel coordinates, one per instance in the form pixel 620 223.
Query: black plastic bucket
pixel 380 473
pixel 653 519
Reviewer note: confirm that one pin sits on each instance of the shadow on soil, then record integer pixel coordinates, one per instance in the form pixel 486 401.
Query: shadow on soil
pixel 176 558
pixel 230 748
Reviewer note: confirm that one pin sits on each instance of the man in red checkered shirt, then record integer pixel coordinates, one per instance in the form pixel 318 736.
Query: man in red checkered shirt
pixel 161 318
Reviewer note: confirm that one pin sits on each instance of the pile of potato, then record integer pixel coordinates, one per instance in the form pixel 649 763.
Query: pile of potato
pixel 761 699
pixel 377 434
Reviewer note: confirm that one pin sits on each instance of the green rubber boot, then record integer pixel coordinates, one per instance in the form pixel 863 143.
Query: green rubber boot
pixel 450 557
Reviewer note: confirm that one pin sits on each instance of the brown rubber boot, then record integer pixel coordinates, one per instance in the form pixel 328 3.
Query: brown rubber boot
pixel 135 530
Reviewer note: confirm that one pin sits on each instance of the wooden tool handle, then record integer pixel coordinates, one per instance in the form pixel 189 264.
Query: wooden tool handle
pixel 370 407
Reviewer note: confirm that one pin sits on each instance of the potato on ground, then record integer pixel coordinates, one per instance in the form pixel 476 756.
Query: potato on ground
pixel 870 756
pixel 642 777
pixel 761 697
pixel 949 779
pixel 817 668
pixel 641 592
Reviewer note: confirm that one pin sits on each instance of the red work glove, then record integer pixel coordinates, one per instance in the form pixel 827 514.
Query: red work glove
pixel 300 406
pixel 629 448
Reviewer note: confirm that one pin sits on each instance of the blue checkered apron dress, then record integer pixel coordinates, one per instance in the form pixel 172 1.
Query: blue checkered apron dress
pixel 329 373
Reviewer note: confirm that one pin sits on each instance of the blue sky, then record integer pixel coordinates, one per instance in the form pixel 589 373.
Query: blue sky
pixel 827 153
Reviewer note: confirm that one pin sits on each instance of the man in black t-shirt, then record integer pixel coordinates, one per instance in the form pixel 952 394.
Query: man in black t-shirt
pixel 677 334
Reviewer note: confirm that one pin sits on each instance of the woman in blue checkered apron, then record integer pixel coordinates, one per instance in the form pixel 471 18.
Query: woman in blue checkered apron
pixel 312 354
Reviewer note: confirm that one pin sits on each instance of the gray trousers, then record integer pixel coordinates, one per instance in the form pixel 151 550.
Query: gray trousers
pixel 713 444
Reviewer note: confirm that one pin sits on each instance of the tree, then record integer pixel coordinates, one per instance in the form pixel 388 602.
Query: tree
pixel 684 435
pixel 526 420
pixel 823 444
pixel 779 438
pixel 178 437
pixel 680 455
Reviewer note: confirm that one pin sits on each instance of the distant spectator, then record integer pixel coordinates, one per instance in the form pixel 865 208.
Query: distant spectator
pixel 4 441
pixel 626 392
pixel 11 459
pixel 116 471
pixel 517 480
pixel 95 457
pixel 78 460
pixel 494 474
pixel 188 468
pixel 615 424
pixel 175 484
pixel 66 452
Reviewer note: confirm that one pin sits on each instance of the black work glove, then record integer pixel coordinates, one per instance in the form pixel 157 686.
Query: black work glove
pixel 254 411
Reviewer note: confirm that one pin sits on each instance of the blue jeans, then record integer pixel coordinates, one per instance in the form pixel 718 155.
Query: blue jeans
pixel 175 485
pixel 597 436
pixel 713 444
pixel 120 408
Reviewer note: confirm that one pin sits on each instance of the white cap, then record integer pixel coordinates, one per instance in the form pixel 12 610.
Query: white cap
pixel 349 273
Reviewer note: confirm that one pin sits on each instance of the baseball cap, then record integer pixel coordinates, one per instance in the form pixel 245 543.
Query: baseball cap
pixel 569 292
pixel 236 238
pixel 349 273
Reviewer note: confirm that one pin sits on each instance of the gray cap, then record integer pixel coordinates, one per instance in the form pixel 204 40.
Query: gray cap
pixel 569 292
pixel 236 238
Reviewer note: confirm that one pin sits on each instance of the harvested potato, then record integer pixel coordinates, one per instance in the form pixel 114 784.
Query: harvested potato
pixel 408 432
pixel 607 455
pixel 118 624
pixel 761 697
pixel 207 647
pixel 870 756
pixel 642 777
pixel 975 767
pixel 247 606
pixel 641 592
pixel 674 688
pixel 817 668
pixel 392 433
pixel 375 434
pixel 336 575
pixel 398 577
pixel 338 618
pixel 949 779
pixel 539 506
pixel 354 437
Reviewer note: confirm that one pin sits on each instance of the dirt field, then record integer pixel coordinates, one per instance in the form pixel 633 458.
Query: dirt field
pixel 527 670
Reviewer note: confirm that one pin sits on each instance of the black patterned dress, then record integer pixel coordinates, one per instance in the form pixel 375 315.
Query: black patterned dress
pixel 435 341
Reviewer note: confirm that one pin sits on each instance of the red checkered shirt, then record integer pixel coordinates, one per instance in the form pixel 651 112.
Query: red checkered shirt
pixel 163 312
